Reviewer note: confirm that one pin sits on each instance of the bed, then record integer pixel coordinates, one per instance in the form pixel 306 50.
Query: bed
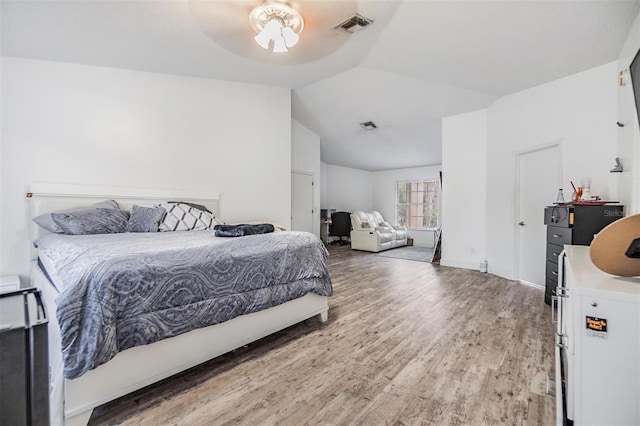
pixel 94 381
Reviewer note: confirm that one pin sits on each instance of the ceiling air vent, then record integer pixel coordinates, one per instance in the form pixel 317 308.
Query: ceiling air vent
pixel 354 24
pixel 368 125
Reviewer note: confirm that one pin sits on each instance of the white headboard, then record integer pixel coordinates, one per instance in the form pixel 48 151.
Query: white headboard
pixel 46 197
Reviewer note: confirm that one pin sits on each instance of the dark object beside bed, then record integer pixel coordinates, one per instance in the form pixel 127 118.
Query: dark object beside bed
pixel 242 230
pixel 24 370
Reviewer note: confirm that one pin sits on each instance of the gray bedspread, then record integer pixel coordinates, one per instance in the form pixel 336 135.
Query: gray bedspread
pixel 125 290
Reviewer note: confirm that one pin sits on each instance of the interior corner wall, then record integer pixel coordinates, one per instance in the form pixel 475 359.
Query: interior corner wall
pixel 464 190
pixel 384 195
pixel 305 157
pixel 347 189
pixel 629 135
pixel 580 111
pixel 323 185
pixel 104 126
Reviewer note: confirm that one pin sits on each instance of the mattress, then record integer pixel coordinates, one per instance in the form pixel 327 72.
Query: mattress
pixel 118 291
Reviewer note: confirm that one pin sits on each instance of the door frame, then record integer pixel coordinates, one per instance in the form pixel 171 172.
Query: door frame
pixel 313 194
pixel 517 155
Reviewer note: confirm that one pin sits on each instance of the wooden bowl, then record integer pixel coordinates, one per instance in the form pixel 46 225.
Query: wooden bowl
pixel 609 248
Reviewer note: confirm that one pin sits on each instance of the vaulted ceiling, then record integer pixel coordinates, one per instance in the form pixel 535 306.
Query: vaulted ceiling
pixel 418 62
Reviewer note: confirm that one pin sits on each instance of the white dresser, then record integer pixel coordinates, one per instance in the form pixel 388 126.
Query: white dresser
pixel 597 344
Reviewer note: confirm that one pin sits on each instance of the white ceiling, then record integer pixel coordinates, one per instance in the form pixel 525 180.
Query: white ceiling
pixel 418 62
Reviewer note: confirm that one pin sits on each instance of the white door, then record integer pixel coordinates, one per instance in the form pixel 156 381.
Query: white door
pixel 301 202
pixel 539 178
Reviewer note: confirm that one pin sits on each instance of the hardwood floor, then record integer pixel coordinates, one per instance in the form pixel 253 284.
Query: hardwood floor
pixel 406 343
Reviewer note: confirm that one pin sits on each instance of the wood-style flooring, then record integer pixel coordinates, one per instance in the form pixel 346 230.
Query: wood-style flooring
pixel 406 343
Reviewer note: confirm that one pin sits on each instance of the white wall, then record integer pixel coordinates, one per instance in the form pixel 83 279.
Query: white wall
pixel 104 126
pixel 347 189
pixel 629 135
pixel 384 195
pixel 305 157
pixel 464 190
pixel 579 110
pixel 323 185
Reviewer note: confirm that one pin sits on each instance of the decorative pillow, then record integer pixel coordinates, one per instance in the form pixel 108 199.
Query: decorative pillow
pixel 197 206
pixel 46 221
pixel 183 217
pixel 364 224
pixel 98 221
pixel 145 219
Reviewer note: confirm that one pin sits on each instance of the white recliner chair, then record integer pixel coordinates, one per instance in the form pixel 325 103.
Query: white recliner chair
pixel 399 232
pixel 370 232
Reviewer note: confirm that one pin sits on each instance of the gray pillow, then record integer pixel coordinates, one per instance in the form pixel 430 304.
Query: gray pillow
pixel 145 219
pixel 97 221
pixel 46 221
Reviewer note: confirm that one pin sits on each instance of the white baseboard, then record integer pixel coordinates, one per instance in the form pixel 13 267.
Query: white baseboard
pixel 501 272
pixel 531 284
pixel 459 264
pixel 465 264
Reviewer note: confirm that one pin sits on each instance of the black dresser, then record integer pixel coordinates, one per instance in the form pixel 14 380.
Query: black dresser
pixel 574 225
pixel 24 359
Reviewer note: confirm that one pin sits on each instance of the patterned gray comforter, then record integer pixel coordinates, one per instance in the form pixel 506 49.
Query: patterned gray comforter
pixel 125 290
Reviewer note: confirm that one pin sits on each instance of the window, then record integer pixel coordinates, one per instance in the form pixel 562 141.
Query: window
pixel 417 204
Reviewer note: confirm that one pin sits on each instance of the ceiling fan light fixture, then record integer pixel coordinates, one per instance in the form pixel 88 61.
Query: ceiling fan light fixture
pixel 276 22
pixel 264 37
pixel 290 37
pixel 270 32
pixel 279 44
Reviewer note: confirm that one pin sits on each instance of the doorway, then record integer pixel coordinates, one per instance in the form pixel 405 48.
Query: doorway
pixel 539 176
pixel 302 201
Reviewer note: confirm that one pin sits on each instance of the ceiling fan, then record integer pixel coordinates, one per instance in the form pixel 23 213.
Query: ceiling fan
pixel 238 26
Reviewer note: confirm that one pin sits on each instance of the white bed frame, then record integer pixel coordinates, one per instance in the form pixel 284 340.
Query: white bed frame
pixel 141 366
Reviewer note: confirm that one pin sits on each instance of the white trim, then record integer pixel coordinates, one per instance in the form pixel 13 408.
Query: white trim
pixel 464 264
pixel 51 189
pixel 527 283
